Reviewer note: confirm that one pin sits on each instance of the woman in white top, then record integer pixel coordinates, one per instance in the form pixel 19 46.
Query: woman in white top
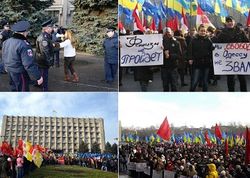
pixel 69 56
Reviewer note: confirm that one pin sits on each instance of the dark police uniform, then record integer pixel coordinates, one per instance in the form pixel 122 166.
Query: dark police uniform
pixel 234 35
pixel 44 54
pixel 19 60
pixel 4 35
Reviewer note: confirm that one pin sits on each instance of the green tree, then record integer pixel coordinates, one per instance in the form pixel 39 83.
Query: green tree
pixel 83 147
pixel 114 149
pixel 91 17
pixel 95 148
pixel 31 10
pixel 108 148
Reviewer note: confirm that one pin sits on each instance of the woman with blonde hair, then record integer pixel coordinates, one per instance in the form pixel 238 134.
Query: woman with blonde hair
pixel 69 56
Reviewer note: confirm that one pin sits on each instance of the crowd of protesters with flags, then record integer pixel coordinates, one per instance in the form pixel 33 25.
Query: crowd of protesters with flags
pixel 17 162
pixel 195 43
pixel 210 154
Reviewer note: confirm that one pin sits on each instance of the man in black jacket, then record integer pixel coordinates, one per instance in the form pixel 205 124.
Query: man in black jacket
pixel 45 52
pixel 18 59
pixel 232 34
pixel 172 53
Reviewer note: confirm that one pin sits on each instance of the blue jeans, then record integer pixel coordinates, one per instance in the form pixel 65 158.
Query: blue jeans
pixel 45 75
pixel 200 74
pixel 20 172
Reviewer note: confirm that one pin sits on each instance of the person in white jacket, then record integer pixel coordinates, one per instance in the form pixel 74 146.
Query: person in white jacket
pixel 69 56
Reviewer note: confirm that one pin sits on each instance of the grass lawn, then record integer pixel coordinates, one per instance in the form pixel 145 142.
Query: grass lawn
pixel 60 171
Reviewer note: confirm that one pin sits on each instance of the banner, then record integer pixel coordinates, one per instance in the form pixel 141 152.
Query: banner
pixel 169 174
pixel 157 174
pixel 140 167
pixel 131 166
pixel 141 50
pixel 231 59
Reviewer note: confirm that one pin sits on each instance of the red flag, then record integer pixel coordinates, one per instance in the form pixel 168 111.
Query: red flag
pixel 226 147
pixel 164 131
pixel 152 26
pixel 6 148
pixel 120 25
pixel 207 139
pixel 218 131
pixel 248 19
pixel 247 158
pixel 173 24
pixel 137 19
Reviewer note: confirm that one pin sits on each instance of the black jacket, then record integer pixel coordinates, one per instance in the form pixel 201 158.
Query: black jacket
pixel 232 35
pixel 44 50
pixel 200 51
pixel 18 56
pixel 175 53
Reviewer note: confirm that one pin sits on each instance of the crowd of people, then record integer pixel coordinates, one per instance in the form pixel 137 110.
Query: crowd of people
pixel 18 167
pixel 190 54
pixel 190 160
pixel 26 67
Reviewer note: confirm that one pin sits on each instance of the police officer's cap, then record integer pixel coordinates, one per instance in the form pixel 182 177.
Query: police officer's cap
pixel 229 19
pixel 47 23
pixel 21 26
pixel 111 28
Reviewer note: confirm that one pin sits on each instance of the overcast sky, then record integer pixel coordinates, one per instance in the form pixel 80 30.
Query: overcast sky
pixel 75 104
pixel 190 109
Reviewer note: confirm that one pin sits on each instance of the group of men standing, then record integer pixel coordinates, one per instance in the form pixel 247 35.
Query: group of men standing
pixel 19 58
pixel 195 50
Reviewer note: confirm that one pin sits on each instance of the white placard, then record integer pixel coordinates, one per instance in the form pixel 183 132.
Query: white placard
pixel 169 174
pixel 141 50
pixel 147 170
pixel 131 166
pixel 140 167
pixel 231 58
pixel 157 174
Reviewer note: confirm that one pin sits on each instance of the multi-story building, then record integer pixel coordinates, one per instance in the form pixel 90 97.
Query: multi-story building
pixel 56 133
pixel 63 10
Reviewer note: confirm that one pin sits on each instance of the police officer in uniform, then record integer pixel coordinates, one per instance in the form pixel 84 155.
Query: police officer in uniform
pixel 4 35
pixel 232 34
pixel 19 59
pixel 44 52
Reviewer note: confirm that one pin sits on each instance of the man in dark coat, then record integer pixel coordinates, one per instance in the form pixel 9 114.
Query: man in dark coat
pixel 45 52
pixel 142 73
pixel 110 45
pixel 172 54
pixel 18 59
pixel 232 34
pixel 4 35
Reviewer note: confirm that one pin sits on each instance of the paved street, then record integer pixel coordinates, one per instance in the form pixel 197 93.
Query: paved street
pixel 89 68
pixel 156 85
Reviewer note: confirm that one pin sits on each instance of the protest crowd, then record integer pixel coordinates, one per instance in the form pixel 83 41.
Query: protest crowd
pixel 205 154
pixel 25 158
pixel 187 160
pixel 187 51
